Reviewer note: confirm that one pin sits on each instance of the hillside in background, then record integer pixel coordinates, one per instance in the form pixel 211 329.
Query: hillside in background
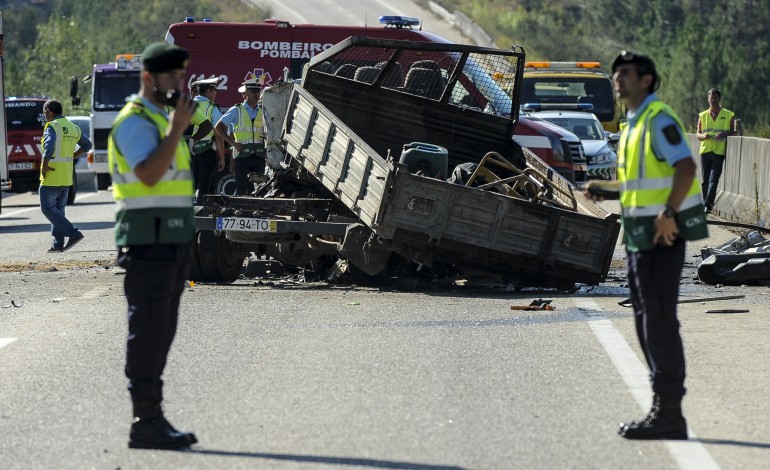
pixel 49 41
pixel 696 44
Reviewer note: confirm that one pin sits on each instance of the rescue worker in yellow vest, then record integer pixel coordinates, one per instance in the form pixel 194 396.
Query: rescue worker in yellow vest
pixel 661 207
pixel 208 150
pixel 714 125
pixel 242 128
pixel 60 138
pixel 152 185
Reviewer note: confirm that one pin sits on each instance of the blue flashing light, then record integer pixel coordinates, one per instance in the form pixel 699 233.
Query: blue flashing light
pixel 585 106
pixel 207 20
pixel 189 19
pixel 399 21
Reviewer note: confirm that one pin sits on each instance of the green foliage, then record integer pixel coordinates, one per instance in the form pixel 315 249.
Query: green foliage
pixel 45 47
pixel 696 45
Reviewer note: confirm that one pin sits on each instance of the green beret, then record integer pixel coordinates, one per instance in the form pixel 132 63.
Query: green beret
pixel 161 57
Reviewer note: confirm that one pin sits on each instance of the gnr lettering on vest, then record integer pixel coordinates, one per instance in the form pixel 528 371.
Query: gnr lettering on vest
pixel 175 223
pixel 125 226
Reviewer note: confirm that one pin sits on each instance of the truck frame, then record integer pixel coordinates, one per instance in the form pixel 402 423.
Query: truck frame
pixel 344 195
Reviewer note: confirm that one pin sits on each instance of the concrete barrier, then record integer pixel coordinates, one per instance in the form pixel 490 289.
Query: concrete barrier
pixel 743 194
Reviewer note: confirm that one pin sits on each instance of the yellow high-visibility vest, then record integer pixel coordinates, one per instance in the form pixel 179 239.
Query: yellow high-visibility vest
pixel 147 215
pixel 62 161
pixel 646 182
pixel 712 127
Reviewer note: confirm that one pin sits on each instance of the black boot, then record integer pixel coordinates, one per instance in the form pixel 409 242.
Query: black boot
pixel 151 430
pixel 664 421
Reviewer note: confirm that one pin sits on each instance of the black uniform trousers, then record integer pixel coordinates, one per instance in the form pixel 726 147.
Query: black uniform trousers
pixel 653 279
pixel 204 165
pixel 155 277
pixel 244 166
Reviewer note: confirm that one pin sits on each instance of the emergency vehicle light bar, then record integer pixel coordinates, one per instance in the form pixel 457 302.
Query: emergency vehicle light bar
pixel 128 61
pixel 191 19
pixel 562 65
pixel 399 21
pixel 556 106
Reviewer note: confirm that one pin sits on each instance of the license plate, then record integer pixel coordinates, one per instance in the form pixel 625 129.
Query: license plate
pixel 21 166
pixel 245 224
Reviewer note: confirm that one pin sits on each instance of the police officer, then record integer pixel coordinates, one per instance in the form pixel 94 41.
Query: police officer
pixel 152 186
pixel 242 128
pixel 56 172
pixel 661 208
pixel 714 125
pixel 208 151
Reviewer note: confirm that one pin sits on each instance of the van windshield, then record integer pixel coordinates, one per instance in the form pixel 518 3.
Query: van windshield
pixel 571 91
pixel 112 88
pixel 24 115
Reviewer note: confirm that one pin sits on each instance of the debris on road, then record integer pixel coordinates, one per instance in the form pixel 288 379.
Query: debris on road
pixel 539 304
pixel 742 260
pixel 627 302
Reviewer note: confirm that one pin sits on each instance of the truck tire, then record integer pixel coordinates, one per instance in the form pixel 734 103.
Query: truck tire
pixel 225 185
pixel 218 260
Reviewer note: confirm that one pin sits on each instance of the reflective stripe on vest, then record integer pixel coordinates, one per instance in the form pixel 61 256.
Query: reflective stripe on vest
pixel 646 182
pixel 61 162
pixel 128 190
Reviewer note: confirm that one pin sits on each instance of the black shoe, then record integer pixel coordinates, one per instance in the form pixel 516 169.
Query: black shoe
pixel 664 421
pixel 53 249
pixel 151 430
pixel 157 433
pixel 74 240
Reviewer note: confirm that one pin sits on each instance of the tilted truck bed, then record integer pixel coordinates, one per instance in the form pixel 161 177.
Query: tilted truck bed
pixel 429 220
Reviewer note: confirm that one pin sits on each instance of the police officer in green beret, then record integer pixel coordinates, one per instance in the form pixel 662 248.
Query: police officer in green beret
pixel 662 207
pixel 153 190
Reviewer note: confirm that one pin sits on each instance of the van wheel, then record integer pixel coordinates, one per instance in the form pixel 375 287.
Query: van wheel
pixel 219 260
pixel 103 181
pixel 73 190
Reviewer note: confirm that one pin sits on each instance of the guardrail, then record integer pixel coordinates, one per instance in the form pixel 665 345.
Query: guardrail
pixel 744 190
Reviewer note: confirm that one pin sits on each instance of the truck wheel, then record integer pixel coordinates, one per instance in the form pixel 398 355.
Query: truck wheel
pixel 219 259
pixel 103 181
pixel 226 184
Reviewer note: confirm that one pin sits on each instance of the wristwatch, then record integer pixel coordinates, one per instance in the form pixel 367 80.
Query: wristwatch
pixel 669 212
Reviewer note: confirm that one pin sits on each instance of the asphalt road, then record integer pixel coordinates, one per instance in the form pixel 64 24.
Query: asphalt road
pixel 278 374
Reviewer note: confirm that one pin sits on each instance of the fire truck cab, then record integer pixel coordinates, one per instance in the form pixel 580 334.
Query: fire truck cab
pixel 25 122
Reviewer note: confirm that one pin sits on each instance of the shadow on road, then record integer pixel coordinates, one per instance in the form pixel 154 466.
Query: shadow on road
pixel 327 460
pixel 730 442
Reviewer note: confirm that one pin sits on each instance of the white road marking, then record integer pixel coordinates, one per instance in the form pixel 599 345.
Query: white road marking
pixel 95 292
pixel 690 454
pixel 6 341
pixel 37 208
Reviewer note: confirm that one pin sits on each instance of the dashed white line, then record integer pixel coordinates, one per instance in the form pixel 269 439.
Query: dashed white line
pixel 690 454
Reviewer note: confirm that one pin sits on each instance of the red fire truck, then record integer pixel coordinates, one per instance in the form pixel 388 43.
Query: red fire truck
pixel 25 122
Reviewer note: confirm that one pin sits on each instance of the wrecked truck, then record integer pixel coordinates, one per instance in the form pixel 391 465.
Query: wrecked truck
pixel 346 193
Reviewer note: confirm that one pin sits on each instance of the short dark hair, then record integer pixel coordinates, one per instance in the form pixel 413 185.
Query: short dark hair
pixel 53 106
pixel 715 91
